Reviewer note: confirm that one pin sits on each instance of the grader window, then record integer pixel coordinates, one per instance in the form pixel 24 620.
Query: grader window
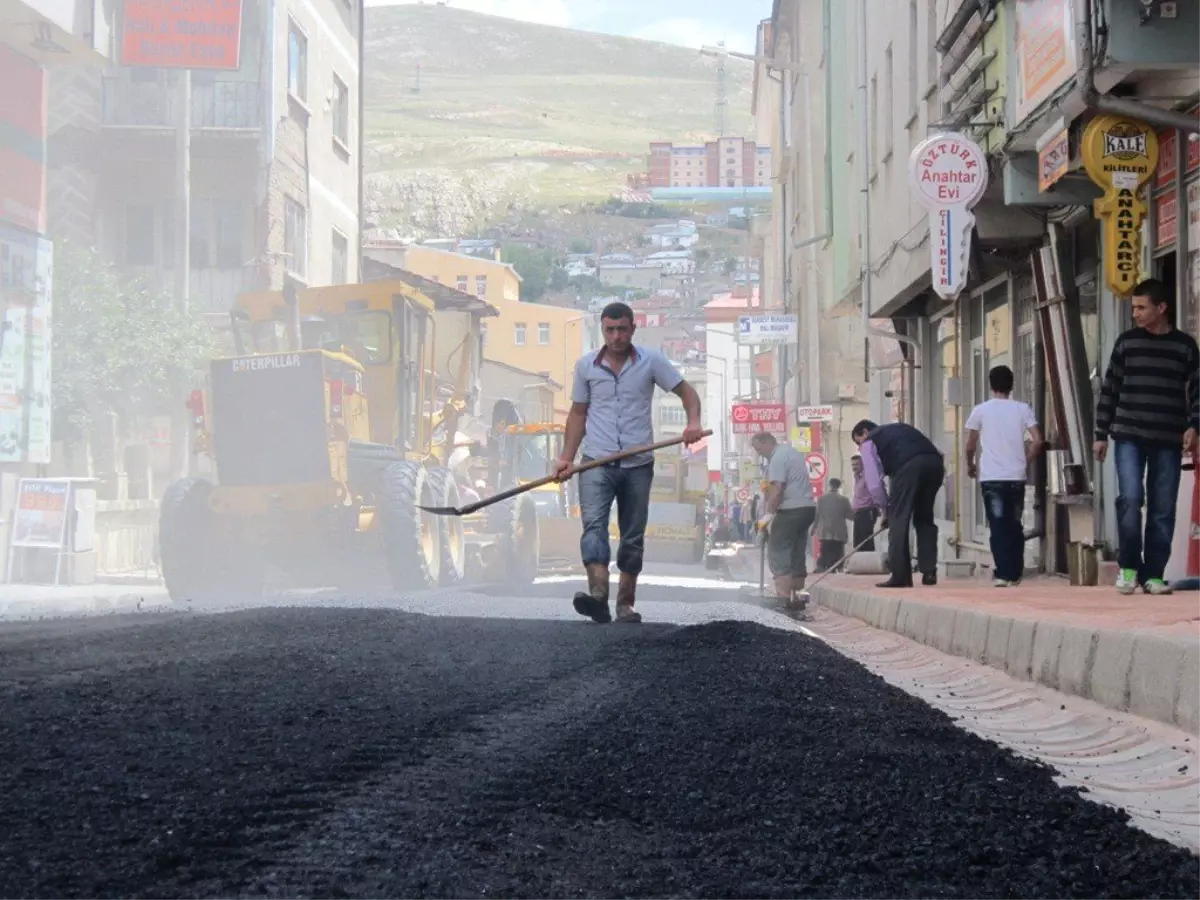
pixel 366 335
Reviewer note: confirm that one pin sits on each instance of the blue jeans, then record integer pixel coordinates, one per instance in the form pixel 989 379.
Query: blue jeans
pixel 1159 467
pixel 1003 502
pixel 631 489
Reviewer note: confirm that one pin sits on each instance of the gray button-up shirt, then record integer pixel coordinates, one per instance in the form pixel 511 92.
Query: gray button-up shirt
pixel 619 404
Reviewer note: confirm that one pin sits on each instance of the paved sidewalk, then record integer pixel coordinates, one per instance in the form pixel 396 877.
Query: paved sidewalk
pixel 20 602
pixel 1138 654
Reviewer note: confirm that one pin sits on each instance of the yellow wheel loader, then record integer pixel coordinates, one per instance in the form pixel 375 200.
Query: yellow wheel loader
pixel 325 432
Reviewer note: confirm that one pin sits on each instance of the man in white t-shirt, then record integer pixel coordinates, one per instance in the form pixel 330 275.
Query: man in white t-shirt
pixel 1001 425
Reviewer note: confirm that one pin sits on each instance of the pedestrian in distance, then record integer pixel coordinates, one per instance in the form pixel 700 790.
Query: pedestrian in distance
pixel 1149 407
pixel 833 512
pixel 611 412
pixel 865 512
pixel 1011 439
pixel 788 511
pixel 915 471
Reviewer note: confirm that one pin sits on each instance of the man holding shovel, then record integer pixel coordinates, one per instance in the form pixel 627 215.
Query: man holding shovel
pixel 610 413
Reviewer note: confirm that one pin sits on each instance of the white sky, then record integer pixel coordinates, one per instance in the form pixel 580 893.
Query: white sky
pixel 689 23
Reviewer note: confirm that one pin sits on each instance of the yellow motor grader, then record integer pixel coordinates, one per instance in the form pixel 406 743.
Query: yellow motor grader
pixel 325 432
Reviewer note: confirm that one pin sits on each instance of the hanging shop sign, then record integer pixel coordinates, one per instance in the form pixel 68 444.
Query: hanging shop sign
pixel 756 330
pixel 1053 159
pixel 1119 154
pixel 1044 50
pixel 948 173
pixel 1166 222
pixel 179 34
pixel 752 418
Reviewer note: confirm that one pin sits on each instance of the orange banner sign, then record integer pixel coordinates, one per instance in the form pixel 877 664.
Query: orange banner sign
pixel 182 34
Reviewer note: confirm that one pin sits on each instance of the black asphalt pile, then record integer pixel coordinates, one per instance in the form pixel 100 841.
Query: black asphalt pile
pixel 370 753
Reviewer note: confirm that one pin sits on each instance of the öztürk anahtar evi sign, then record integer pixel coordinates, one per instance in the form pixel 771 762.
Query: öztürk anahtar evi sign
pixel 949 173
pixel 1120 154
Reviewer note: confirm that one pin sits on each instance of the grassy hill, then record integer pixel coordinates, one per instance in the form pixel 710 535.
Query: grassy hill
pixel 473 118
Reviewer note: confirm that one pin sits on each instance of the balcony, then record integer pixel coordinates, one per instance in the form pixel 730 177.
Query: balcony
pixel 213 290
pixel 219 104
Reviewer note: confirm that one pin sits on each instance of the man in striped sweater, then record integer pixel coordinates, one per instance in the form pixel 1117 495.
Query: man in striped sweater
pixel 1149 407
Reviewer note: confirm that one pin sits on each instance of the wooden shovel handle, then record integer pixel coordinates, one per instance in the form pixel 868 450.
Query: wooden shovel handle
pixel 573 471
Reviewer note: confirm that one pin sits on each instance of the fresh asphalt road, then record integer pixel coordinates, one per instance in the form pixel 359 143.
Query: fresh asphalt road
pixel 469 745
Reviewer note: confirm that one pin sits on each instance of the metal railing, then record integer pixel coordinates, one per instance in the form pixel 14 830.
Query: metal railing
pixel 220 103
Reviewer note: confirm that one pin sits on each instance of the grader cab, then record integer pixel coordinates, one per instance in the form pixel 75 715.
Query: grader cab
pixel 324 434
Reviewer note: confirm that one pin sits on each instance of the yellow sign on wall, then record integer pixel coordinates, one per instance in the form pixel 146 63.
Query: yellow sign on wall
pixel 1120 154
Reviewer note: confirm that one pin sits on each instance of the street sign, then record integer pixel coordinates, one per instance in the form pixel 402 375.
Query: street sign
pixel 743 495
pixel 822 413
pixel 817 466
pixel 753 418
pixel 755 330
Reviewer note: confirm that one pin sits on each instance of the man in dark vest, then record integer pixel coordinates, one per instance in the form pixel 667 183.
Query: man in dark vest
pixel 915 472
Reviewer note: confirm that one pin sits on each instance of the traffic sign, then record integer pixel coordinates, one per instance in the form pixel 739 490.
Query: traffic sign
pixel 821 413
pixel 817 466
pixel 743 494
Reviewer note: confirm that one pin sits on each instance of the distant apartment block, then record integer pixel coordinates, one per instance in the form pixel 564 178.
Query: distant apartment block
pixel 728 162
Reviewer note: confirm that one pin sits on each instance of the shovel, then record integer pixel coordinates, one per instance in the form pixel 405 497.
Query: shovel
pixel 571 472
pixel 804 594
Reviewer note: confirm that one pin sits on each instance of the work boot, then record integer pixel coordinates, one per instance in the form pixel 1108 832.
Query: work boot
pixel 594 602
pixel 625 600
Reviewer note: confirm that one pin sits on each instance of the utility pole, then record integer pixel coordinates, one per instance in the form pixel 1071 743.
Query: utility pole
pixel 722 99
pixel 181 455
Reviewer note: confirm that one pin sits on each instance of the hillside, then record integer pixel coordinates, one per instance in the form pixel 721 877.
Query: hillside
pixel 507 116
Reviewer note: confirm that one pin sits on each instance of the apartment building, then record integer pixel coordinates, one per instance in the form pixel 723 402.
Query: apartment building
pixel 275 181
pixel 729 162
pixel 1022 79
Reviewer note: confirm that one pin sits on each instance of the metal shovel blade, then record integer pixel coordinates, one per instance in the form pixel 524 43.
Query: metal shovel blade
pixel 441 510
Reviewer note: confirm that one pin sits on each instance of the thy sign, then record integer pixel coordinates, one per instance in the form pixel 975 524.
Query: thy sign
pixel 752 418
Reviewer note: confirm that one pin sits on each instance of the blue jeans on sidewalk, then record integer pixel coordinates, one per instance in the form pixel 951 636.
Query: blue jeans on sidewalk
pixel 631 489
pixel 1003 502
pixel 1159 467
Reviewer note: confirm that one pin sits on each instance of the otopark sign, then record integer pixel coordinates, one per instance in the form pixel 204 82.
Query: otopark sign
pixel 1120 155
pixel 948 174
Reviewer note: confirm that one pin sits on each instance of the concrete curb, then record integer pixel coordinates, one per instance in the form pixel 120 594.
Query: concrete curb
pixel 111 602
pixel 1152 675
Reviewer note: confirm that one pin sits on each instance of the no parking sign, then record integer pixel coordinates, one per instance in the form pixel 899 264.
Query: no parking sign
pixel 817 467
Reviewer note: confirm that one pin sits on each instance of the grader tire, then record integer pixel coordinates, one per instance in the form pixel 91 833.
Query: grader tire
pixel 411 544
pixel 444 492
pixel 516 523
pixel 201 560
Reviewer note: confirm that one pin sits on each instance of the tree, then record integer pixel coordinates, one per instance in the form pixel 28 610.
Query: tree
pixel 534 267
pixel 118 345
pixel 581 245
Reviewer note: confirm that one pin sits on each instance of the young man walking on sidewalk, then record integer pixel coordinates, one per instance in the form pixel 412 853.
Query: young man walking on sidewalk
pixel 915 472
pixel 611 406
pixel 1001 424
pixel 788 513
pixel 1150 406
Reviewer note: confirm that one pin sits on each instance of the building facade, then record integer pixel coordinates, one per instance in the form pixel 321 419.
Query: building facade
pixel 274 154
pixel 1023 79
pixel 729 162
